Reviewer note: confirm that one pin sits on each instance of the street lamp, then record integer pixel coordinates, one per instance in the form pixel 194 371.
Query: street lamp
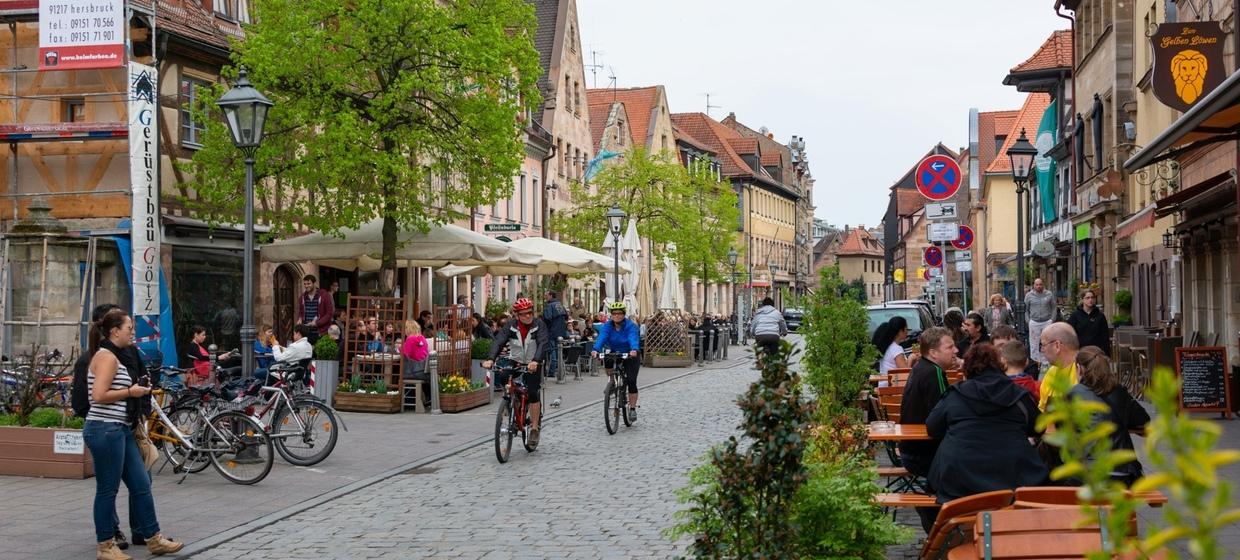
pixel 732 256
pixel 1021 155
pixel 246 111
pixel 615 219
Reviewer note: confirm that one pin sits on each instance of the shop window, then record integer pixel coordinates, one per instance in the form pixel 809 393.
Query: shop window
pixel 208 287
pixel 75 110
pixel 191 129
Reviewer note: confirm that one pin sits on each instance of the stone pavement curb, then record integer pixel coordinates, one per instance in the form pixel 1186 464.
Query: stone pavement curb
pixel 222 537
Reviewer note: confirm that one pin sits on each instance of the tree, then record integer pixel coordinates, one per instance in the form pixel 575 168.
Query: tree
pixel 855 290
pixel 405 110
pixel 694 211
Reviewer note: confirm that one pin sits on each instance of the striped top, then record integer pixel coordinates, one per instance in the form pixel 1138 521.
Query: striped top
pixel 113 411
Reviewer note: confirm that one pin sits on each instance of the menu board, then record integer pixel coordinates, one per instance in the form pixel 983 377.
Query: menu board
pixel 1203 370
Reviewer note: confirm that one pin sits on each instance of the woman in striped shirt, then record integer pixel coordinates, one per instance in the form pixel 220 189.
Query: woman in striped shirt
pixel 110 438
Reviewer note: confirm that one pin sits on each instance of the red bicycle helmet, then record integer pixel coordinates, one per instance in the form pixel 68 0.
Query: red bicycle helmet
pixel 522 304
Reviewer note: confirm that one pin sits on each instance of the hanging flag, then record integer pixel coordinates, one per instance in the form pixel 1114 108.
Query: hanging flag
pixel 595 165
pixel 1043 163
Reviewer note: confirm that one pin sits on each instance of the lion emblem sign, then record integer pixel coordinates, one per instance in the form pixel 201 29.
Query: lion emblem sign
pixel 1188 69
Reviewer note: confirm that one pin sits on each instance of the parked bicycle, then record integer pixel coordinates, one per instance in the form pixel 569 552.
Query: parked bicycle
pixel 616 395
pixel 302 427
pixel 512 418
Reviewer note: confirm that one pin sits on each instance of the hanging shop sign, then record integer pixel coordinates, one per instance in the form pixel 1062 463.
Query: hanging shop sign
pixel 80 34
pixel 1188 62
pixel 143 171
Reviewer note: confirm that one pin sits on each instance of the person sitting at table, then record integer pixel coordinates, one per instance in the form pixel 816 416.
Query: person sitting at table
pixel 416 350
pixel 480 327
pixel 985 423
pixel 1098 384
pixel 888 338
pixel 297 350
pixel 1015 364
pixel 262 351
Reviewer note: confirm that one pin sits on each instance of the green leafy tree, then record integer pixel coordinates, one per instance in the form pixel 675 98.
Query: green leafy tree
pixel 405 110
pixel 855 290
pixel 693 211
pixel 838 353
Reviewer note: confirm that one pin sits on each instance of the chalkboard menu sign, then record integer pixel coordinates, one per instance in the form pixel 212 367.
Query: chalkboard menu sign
pixel 1203 370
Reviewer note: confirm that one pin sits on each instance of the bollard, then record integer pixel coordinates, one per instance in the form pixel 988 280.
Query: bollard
pixel 728 331
pixel 697 346
pixel 432 365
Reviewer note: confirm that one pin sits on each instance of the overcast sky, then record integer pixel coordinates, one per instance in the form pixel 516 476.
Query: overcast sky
pixel 871 86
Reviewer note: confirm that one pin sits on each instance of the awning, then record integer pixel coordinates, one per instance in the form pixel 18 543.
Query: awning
pixel 1137 222
pixel 1172 203
pixel 1213 119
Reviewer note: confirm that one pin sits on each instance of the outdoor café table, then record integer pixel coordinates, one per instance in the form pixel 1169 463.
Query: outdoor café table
pixel 899 432
pixel 378 363
pixel 876 379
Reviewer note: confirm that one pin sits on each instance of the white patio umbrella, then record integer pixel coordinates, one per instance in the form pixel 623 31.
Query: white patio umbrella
pixel 362 248
pixel 672 296
pixel 557 258
pixel 630 246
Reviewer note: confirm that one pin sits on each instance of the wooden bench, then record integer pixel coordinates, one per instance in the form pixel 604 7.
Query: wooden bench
pixel 906 499
pixel 1031 533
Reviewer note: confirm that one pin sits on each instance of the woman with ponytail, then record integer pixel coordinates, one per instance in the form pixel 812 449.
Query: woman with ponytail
pixel 109 435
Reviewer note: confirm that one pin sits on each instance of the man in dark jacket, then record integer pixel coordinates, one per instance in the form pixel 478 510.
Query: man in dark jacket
pixel 927 383
pixel 1090 324
pixel 525 339
pixel 314 307
pixel 556 318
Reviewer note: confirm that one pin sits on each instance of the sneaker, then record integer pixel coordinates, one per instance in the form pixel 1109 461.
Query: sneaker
pixel 121 543
pixel 107 550
pixel 632 415
pixel 533 438
pixel 159 544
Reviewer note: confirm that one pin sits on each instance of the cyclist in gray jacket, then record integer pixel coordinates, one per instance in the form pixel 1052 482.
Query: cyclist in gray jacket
pixel 768 326
pixel 525 338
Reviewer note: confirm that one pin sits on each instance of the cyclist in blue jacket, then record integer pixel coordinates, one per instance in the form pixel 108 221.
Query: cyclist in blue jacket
pixel 621 336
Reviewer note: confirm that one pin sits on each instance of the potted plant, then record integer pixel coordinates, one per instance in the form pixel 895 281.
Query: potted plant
pixel 355 395
pixel 457 393
pixel 326 366
pixel 479 351
pixel 1123 315
pixel 38 439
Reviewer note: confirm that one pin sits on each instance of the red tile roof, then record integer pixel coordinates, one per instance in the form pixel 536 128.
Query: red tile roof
pixel 908 201
pixel 687 138
pixel 989 125
pixel 598 123
pixel 716 136
pixel 772 159
pixel 860 242
pixel 1028 118
pixel 638 103
pixel 744 145
pixel 1055 53
pixel 192 21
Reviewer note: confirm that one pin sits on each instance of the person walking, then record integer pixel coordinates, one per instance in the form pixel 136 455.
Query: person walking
pixel 1091 324
pixel 998 313
pixel 556 318
pixel 1040 305
pixel 108 433
pixel 314 307
pixel 768 326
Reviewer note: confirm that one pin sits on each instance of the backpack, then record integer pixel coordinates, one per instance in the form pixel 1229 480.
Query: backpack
pixel 79 396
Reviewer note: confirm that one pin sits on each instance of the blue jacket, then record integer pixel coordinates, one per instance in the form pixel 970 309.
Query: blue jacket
pixel 623 340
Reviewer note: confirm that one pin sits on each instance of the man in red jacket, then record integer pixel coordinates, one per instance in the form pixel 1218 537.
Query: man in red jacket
pixel 314 308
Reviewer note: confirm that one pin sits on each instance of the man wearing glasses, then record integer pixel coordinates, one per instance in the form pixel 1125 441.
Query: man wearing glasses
pixel 1059 345
pixel 527 342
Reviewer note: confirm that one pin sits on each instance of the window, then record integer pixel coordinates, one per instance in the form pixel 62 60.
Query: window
pixel 568 93
pixel 237 10
pixel 559 149
pixel 664 141
pixel 75 110
pixel 513 197
pixel 191 131
pixel 577 98
pixel 999 140
pixel 537 197
pixel 564 171
pixel 522 194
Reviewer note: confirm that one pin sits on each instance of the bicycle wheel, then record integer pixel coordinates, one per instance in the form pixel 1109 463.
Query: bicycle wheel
pixel 308 447
pixel 622 397
pixel 190 424
pixel 611 410
pixel 503 431
pixel 238 447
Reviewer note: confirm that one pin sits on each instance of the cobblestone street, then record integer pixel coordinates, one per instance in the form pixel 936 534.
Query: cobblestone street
pixel 583 494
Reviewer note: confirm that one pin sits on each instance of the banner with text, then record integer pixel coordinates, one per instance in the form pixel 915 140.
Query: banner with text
pixel 78 34
pixel 143 177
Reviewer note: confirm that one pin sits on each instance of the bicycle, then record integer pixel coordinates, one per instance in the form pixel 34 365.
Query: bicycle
pixel 511 418
pixel 616 395
pixel 293 418
pixel 205 432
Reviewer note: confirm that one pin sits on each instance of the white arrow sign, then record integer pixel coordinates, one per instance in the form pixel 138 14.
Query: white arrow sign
pixel 937 166
pixel 963 256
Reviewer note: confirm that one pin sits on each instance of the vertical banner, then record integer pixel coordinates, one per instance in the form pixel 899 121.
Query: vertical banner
pixel 1045 164
pixel 78 34
pixel 143 177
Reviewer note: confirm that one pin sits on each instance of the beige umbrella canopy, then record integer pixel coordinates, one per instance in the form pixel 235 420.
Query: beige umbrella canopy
pixel 557 258
pixel 362 248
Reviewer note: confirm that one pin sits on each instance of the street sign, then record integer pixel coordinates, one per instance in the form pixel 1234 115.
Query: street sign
pixel 501 227
pixel 1044 249
pixel 965 238
pixel 936 272
pixel 963 256
pixel 925 274
pixel 964 266
pixel 937 177
pixel 942 231
pixel 933 256
pixel 941 210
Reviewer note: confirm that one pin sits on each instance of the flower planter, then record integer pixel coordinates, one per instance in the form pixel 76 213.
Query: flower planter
pixel 44 452
pixel 367 402
pixel 457 402
pixel 669 361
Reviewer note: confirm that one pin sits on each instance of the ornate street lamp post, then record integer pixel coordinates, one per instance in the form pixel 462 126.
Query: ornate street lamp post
pixel 1021 154
pixel 732 256
pixel 615 220
pixel 246 111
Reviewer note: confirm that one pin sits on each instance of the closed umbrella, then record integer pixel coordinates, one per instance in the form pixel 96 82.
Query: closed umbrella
pixel 672 295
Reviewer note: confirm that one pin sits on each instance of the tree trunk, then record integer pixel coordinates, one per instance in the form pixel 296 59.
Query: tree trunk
pixel 387 272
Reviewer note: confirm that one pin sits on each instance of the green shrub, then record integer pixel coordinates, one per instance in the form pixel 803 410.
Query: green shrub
pixel 480 349
pixel 838 352
pixel 835 514
pixel 47 418
pixel 496 308
pixel 326 348
pixel 8 419
pixel 381 386
pixel 1123 299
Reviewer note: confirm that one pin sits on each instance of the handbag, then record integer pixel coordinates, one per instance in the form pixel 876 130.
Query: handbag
pixel 146 447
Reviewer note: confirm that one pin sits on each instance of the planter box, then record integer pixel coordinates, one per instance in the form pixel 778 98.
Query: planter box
pixel 367 402
pixel 326 378
pixel 457 402
pixel 478 374
pixel 669 361
pixel 44 452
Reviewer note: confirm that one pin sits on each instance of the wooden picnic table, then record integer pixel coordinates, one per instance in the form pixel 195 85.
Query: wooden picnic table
pixel 901 432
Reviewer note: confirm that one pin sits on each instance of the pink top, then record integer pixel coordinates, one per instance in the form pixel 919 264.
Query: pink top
pixel 415 348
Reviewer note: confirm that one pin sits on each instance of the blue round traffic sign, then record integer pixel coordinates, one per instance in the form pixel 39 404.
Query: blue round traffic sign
pixel 937 177
pixel 965 239
pixel 933 256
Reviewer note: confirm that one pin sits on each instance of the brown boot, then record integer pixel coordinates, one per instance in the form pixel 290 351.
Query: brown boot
pixel 107 550
pixel 159 544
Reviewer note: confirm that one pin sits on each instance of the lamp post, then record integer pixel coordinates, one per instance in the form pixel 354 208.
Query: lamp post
pixel 1021 155
pixel 246 111
pixel 732 256
pixel 615 220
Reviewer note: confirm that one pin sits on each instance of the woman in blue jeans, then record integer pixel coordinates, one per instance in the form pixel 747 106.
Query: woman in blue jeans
pixel 109 435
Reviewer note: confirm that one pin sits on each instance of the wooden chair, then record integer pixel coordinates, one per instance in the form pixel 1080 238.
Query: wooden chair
pixel 1032 533
pixel 952 526
pixel 954 376
pixel 898 377
pixel 1030 497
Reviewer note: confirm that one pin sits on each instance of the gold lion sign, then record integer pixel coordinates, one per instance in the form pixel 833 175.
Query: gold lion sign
pixel 1188 62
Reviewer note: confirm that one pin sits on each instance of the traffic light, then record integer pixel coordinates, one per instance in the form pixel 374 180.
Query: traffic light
pixel 898 275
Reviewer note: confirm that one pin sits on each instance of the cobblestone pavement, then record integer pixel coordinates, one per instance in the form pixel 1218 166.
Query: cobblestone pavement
pixel 583 494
